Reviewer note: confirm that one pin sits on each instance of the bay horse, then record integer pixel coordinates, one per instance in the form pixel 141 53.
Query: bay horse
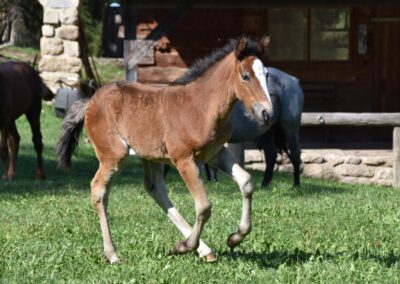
pixel 173 125
pixel 282 134
pixel 21 91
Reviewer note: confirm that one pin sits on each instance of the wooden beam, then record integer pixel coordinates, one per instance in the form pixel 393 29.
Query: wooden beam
pixel 139 49
pixel 396 156
pixel 350 119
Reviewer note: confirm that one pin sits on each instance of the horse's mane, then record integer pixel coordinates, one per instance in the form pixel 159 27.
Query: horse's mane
pixel 202 65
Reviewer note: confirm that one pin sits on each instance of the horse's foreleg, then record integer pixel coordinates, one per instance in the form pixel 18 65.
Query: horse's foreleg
pixel 100 193
pixel 155 185
pixel 4 155
pixel 190 173
pixel 266 143
pixel 34 121
pixel 225 161
pixel 13 145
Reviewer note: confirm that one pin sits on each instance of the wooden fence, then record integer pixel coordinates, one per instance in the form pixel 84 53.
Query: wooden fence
pixel 359 120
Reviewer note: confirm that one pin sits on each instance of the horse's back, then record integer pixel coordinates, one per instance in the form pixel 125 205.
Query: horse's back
pixel 20 87
pixel 291 97
pixel 129 112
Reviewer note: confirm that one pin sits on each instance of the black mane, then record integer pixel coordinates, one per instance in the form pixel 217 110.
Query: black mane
pixel 202 65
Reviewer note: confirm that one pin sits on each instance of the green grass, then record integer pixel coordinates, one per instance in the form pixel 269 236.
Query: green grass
pixel 324 232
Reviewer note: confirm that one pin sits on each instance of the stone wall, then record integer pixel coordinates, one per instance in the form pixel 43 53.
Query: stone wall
pixel 349 166
pixel 59 44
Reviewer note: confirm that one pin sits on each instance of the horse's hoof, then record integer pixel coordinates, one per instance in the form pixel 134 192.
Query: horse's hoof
pixel 235 239
pixel 112 258
pixel 265 184
pixel 182 248
pixel 211 257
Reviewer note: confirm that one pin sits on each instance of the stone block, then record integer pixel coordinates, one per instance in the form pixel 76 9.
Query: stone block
pixel 337 161
pixel 60 64
pixel 309 158
pixel 352 170
pixel 60 3
pixel 71 48
pixel 50 16
pixel 48 30
pixel 69 32
pixel 253 156
pixel 69 16
pixel 353 160
pixel 51 79
pixel 373 161
pixel 51 46
pixel 323 171
pixel 287 168
pixel 384 173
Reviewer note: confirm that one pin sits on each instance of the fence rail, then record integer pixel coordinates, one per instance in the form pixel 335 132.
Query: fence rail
pixel 361 119
pixel 350 119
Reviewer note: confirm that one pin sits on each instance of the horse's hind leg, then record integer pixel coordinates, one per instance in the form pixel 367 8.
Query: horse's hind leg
pixel 109 164
pixel 13 145
pixel 4 155
pixel 226 163
pixel 34 121
pixel 100 192
pixel 155 185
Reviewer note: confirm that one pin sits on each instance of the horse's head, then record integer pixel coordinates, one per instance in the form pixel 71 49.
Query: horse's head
pixel 250 83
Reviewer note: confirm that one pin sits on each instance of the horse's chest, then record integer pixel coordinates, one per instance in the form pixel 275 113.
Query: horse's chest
pixel 217 139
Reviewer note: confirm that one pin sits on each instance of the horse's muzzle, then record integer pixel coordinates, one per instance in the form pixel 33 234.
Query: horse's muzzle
pixel 263 114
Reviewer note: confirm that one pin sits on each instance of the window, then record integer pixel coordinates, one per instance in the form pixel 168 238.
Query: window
pixel 309 34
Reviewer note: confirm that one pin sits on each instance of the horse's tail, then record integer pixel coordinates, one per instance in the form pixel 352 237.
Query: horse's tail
pixel 70 132
pixel 280 139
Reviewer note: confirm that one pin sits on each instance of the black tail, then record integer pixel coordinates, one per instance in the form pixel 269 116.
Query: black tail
pixel 70 132
pixel 280 139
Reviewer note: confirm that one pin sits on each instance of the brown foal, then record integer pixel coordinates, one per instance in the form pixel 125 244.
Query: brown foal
pixel 180 125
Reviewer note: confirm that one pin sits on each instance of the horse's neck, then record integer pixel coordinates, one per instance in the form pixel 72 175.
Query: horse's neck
pixel 214 89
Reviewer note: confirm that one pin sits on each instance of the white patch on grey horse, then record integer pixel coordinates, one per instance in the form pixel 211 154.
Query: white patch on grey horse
pixel 130 150
pixel 260 71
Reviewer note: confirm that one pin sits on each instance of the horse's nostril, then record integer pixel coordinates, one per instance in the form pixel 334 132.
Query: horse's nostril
pixel 266 116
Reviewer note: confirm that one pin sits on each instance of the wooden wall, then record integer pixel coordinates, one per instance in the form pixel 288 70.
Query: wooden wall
pixel 364 83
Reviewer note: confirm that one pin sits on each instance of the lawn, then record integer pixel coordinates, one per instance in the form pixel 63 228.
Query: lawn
pixel 323 232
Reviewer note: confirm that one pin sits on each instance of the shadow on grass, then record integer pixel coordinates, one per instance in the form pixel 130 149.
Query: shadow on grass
pixel 78 178
pixel 296 257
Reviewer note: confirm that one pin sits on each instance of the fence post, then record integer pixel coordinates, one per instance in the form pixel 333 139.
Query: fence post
pixel 396 154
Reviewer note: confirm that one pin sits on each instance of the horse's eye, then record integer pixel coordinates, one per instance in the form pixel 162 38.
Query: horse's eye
pixel 245 77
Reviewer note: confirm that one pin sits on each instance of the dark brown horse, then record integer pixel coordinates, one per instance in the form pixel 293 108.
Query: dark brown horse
pixel 21 91
pixel 178 125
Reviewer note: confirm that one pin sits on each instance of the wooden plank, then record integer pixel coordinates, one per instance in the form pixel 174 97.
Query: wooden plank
pixel 130 72
pixel 396 154
pixel 139 52
pixel 350 119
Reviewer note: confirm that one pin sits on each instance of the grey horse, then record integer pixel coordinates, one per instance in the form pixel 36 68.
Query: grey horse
pixel 282 134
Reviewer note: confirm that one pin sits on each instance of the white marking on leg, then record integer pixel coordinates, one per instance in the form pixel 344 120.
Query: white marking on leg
pixel 185 229
pixel 260 71
pixel 243 179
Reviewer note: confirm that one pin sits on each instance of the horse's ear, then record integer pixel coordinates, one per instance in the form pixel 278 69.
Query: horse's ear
pixel 241 46
pixel 264 44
